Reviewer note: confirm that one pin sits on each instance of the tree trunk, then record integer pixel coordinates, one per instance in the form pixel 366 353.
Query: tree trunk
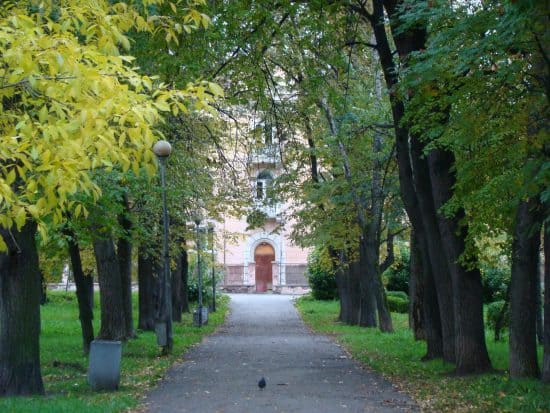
pixel 20 292
pixel 416 289
pixel 347 278
pixel 407 43
pixel 367 268
pixel 432 316
pixel 83 284
pixel 384 316
pixel 538 306
pixel 184 294
pixel 146 291
pixel 390 254
pixel 525 253
pixel 113 325
pixel 471 349
pixel 177 289
pixel 343 297
pixel 124 254
pixel 354 293
pixel 546 338
pixel 373 298
pixel 431 320
pixel 44 284
pixel 432 237
pixel 375 224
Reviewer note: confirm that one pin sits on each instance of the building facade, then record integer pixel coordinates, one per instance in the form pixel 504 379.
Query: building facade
pixel 262 259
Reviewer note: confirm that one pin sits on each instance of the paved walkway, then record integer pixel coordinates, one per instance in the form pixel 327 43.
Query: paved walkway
pixel 264 336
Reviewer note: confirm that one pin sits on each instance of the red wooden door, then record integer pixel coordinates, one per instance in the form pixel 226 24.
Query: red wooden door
pixel 264 276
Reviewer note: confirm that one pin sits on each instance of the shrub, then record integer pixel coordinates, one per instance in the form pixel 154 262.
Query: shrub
pixel 193 281
pixel 193 291
pixel 398 274
pixel 399 294
pixel 494 283
pixel 321 277
pixel 397 304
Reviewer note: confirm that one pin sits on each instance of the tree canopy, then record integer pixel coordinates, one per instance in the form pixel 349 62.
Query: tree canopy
pixel 72 101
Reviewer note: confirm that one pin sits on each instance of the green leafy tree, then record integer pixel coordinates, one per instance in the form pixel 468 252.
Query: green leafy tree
pixel 71 102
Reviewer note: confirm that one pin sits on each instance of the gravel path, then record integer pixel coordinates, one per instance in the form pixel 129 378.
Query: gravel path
pixel 264 336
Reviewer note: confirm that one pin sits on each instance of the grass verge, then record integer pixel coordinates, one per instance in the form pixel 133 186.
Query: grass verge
pixel 397 357
pixel 64 367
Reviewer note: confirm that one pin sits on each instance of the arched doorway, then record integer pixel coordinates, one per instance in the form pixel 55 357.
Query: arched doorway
pixel 264 255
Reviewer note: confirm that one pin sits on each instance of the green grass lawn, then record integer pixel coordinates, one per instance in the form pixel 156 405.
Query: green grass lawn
pixel 397 356
pixel 64 367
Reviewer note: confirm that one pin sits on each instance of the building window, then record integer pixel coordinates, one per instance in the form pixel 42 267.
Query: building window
pixel 260 190
pixel 263 181
pixel 268 133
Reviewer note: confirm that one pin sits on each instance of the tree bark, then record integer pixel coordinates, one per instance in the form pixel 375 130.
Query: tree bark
pixel 113 325
pixel 184 294
pixel 177 289
pixel 390 254
pixel 416 289
pixel 525 253
pixel 384 315
pixel 432 237
pixel 44 284
pixel 431 319
pixel 354 294
pixel 83 285
pixel 432 314
pixel 546 335
pixel 20 291
pixel 538 306
pixel 146 291
pixel 347 279
pixel 374 225
pixel 412 42
pixel 471 350
pixel 124 254
pixel 367 269
pixel 341 285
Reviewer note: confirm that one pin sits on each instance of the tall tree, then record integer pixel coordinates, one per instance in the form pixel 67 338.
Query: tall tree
pixel 113 323
pixel 146 290
pixel 84 290
pixel 523 329
pixel 408 42
pixel 20 290
pixel 477 55
pixel 124 255
pixel 63 115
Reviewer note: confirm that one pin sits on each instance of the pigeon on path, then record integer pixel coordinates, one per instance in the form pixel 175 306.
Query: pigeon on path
pixel 262 383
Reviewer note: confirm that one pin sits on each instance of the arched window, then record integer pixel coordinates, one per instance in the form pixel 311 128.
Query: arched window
pixel 263 181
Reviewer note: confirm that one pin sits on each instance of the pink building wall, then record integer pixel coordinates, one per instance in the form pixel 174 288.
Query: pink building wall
pixel 236 246
pixel 235 254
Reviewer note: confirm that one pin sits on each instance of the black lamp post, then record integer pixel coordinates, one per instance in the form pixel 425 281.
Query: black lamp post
pixel 163 328
pixel 211 240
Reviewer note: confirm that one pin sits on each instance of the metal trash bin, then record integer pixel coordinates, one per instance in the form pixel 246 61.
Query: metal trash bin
pixel 204 317
pixel 104 367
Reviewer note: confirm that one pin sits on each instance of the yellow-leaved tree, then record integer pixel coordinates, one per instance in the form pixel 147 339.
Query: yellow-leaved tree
pixel 71 102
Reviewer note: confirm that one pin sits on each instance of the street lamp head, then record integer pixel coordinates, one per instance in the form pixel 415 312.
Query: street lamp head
pixel 162 149
pixel 197 218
